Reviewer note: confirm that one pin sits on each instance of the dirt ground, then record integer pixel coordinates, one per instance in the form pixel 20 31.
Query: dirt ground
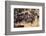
pixel 34 24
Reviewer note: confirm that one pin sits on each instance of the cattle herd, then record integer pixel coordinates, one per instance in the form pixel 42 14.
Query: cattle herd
pixel 25 14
